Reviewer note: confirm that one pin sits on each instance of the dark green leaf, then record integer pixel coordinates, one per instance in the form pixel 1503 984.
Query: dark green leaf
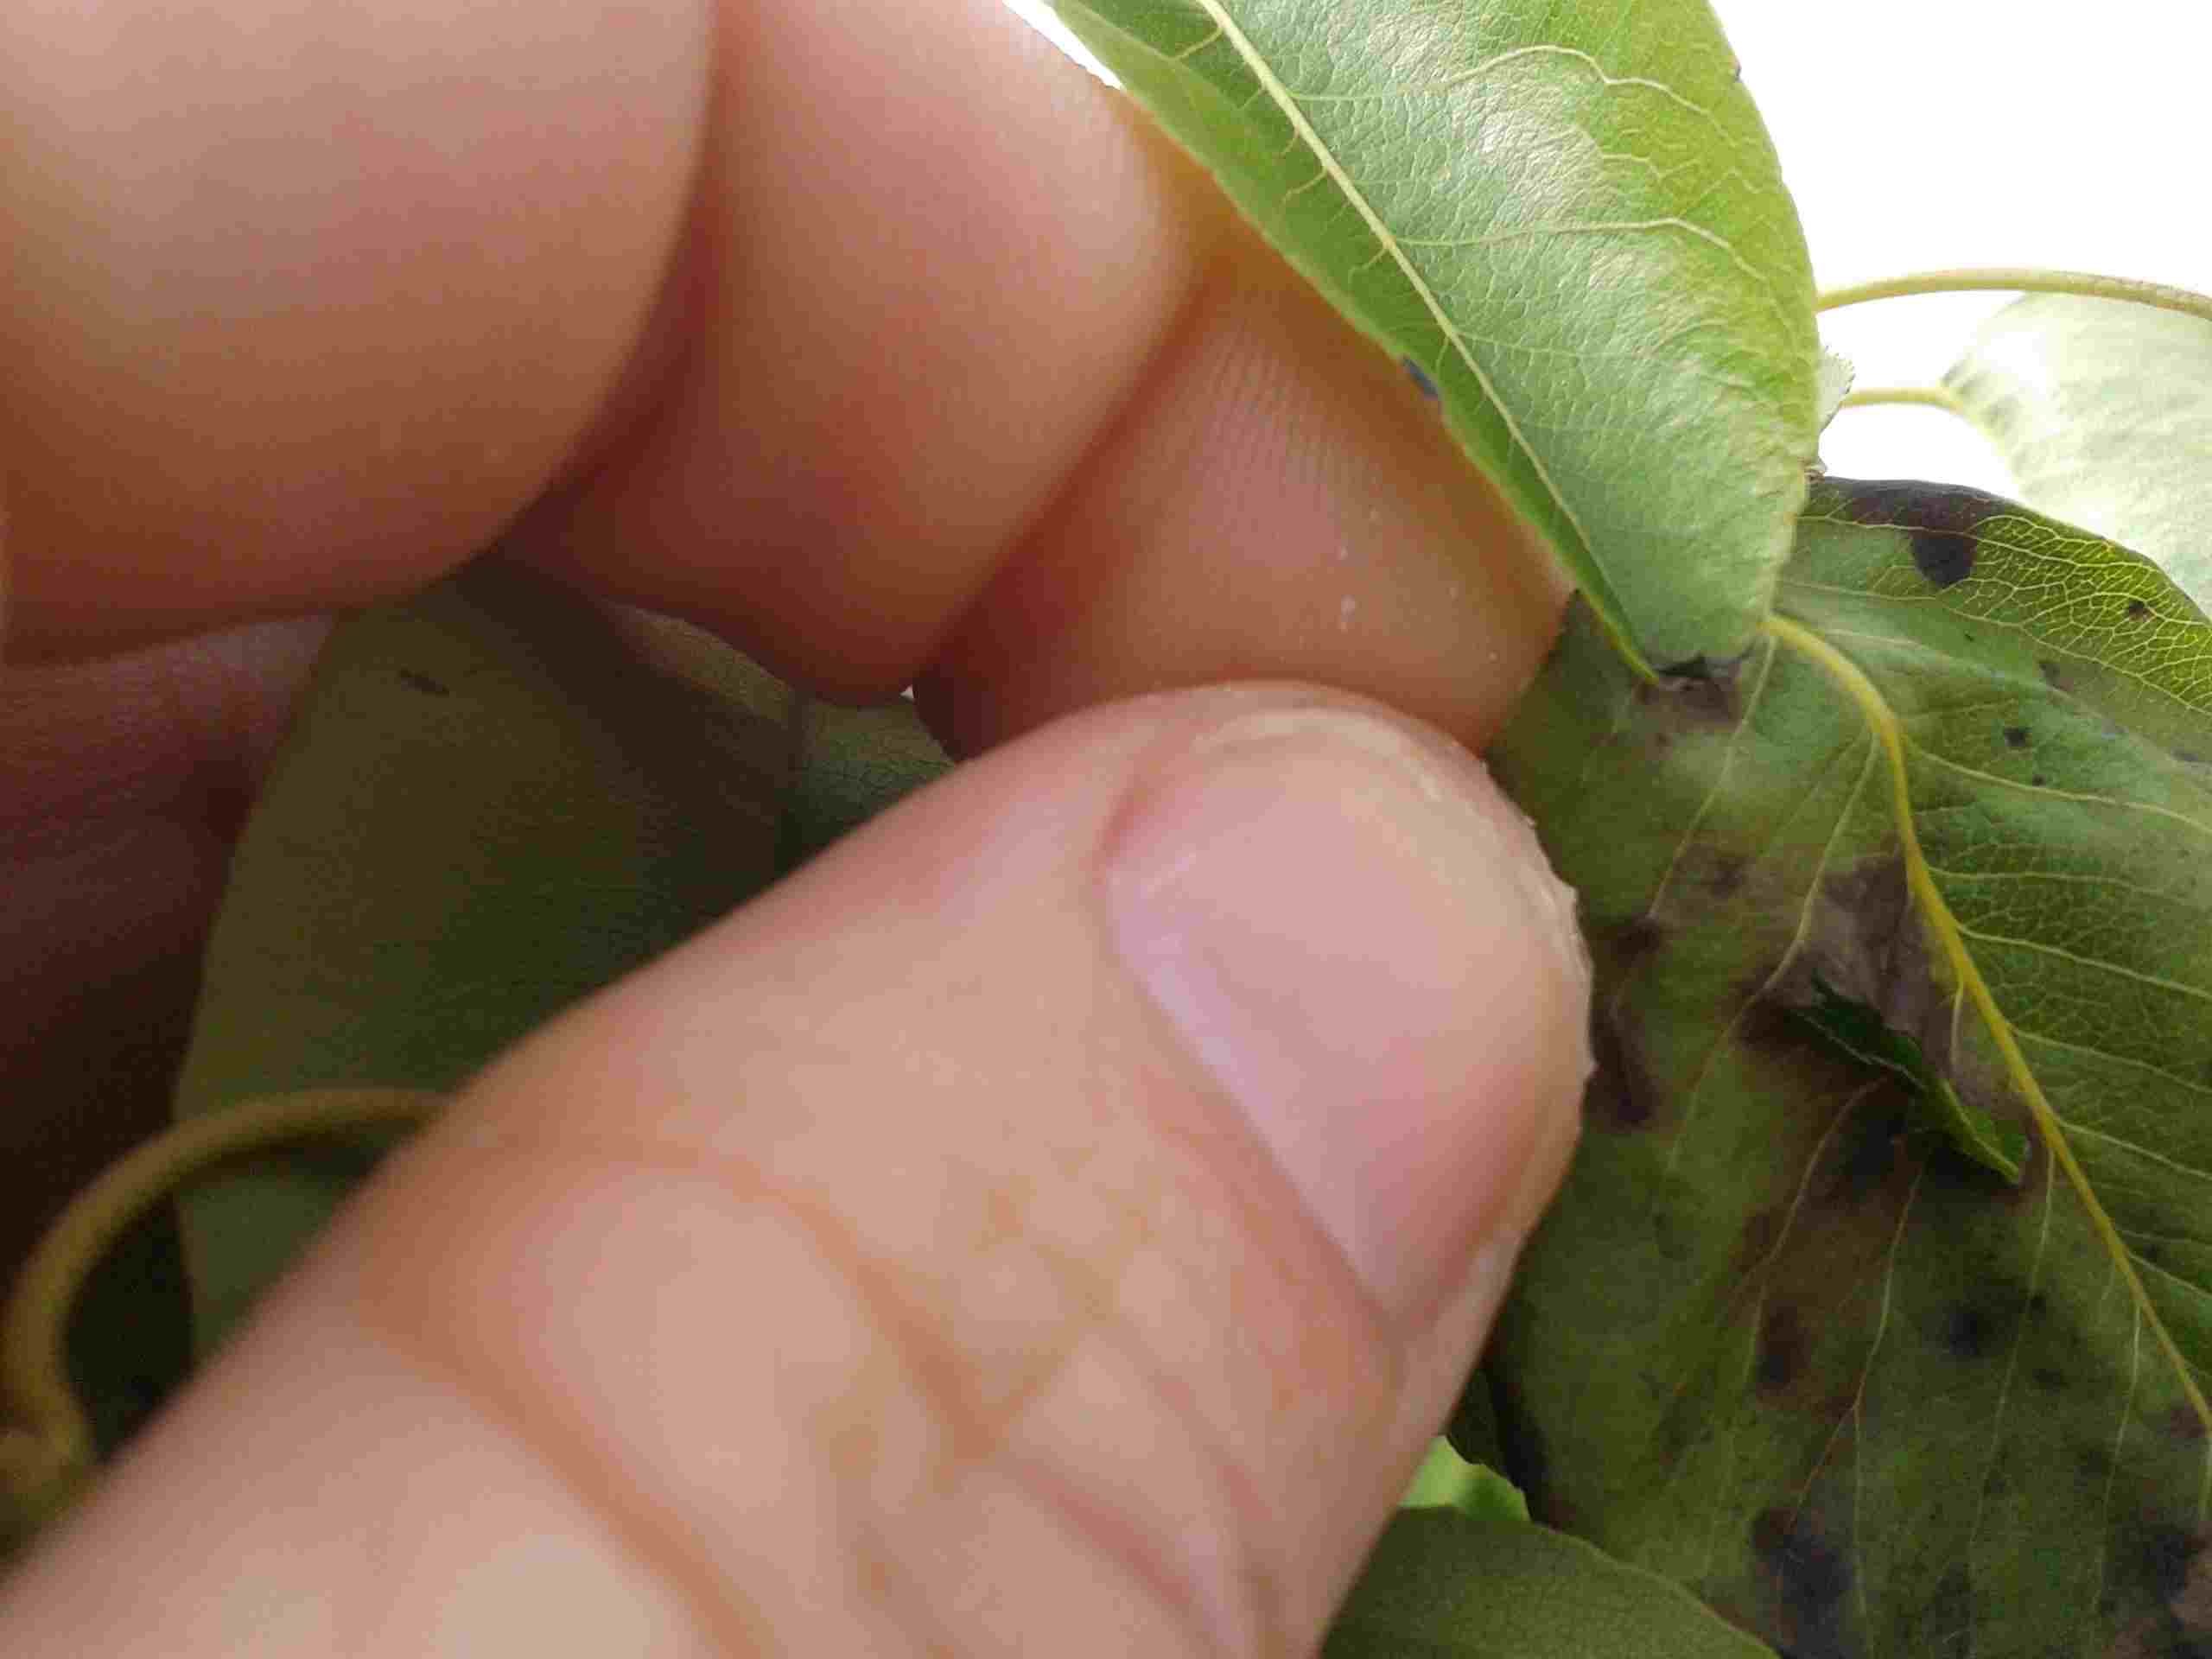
pixel 496 798
pixel 853 763
pixel 2103 410
pixel 1443 1583
pixel 1780 1341
pixel 1570 220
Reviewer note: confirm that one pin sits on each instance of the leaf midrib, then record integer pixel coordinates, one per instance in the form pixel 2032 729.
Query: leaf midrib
pixel 1889 733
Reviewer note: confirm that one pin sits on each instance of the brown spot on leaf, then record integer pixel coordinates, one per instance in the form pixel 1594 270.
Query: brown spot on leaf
pixel 1712 699
pixel 2053 676
pixel 2016 737
pixel 2183 1423
pixel 425 685
pixel 2038 780
pixel 1723 875
pixel 2137 610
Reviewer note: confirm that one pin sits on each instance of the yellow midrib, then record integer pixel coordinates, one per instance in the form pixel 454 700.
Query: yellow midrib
pixel 1883 722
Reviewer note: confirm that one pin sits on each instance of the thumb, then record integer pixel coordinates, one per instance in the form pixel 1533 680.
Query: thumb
pixel 1053 1222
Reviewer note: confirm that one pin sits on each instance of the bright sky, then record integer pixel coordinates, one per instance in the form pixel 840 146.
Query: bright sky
pixel 1920 134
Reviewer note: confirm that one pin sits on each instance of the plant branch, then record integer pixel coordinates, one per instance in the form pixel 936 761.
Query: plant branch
pixel 2024 279
pixel 50 1447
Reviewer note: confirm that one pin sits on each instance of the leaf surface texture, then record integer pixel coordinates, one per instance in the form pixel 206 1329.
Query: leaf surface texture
pixel 1455 1585
pixel 1570 222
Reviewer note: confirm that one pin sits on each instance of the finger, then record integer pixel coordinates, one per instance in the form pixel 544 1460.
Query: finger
pixel 122 784
pixel 301 303
pixel 952 351
pixel 1053 1222
pixel 1027 403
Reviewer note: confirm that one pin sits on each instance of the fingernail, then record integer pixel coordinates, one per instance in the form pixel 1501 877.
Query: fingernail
pixel 1359 938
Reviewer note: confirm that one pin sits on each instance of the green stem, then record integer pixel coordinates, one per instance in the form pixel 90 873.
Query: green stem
pixel 1941 398
pixel 51 1447
pixel 2024 279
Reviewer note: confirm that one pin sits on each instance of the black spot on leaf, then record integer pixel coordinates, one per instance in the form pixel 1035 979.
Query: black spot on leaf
pixel 2165 1556
pixel 1419 375
pixel 1869 1153
pixel 1781 1351
pixel 1941 520
pixel 2137 610
pixel 2048 1378
pixel 1969 1331
pixel 2053 676
pixel 1945 558
pixel 2016 737
pixel 2038 780
pixel 1812 1575
pixel 425 685
pixel 1622 1092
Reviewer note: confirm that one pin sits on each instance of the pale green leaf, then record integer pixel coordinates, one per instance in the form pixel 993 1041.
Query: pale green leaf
pixel 1444 1584
pixel 1570 222
pixel 1781 1340
pixel 2103 410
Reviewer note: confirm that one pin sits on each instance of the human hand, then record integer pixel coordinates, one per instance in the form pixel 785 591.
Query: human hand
pixel 1056 1219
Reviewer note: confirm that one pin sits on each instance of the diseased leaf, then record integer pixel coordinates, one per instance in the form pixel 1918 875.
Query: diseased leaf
pixel 1780 1340
pixel 2103 410
pixel 1569 221
pixel 1443 1583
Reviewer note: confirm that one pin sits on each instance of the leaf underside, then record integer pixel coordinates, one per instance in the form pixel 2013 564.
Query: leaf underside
pixel 2103 410
pixel 1780 1340
pixel 1571 223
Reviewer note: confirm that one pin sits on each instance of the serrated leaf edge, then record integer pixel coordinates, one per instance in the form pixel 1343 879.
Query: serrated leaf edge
pixel 1882 720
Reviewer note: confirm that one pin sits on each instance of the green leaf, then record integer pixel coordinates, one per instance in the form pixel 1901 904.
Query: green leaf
pixel 497 797
pixel 1571 222
pixel 853 763
pixel 2103 410
pixel 1443 1583
pixel 1447 1481
pixel 1780 1340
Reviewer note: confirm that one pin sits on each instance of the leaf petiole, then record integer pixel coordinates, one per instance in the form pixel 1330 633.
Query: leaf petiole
pixel 2021 279
pixel 1941 398
pixel 49 1449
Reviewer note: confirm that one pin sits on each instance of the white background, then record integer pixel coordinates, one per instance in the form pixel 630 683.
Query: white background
pixel 1915 136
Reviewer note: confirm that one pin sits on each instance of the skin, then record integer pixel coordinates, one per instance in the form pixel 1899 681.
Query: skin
pixel 1102 1234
